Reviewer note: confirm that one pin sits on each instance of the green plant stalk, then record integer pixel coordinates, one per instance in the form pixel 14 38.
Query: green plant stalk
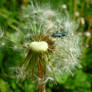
pixel 13 27
pixel 82 8
pixel 75 8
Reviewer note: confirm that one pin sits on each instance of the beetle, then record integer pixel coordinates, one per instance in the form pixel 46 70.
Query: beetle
pixel 57 34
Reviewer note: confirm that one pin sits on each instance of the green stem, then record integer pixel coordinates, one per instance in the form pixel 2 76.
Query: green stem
pixel 75 8
pixel 82 8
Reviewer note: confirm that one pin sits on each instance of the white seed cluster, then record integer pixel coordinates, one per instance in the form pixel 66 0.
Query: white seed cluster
pixel 39 19
pixel 46 20
pixel 67 50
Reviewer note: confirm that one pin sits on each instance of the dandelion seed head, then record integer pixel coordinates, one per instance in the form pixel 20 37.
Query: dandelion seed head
pixel 62 53
pixel 77 14
pixel 82 20
pixel 15 47
pixel 87 34
pixel 3 43
pixel 64 6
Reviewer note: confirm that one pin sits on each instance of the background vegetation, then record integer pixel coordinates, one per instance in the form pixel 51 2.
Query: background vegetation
pixel 81 81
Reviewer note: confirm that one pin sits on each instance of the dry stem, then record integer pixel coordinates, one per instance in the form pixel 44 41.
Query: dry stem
pixel 41 74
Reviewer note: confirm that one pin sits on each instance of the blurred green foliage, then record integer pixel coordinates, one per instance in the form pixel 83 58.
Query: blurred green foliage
pixel 81 81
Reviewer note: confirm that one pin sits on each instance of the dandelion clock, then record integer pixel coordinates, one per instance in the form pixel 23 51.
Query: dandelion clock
pixel 50 42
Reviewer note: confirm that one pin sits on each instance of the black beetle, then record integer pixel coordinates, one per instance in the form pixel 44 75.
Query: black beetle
pixel 57 34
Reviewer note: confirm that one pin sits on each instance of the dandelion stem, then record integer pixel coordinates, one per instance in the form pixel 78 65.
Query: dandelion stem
pixel 75 8
pixel 41 74
pixel 82 8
